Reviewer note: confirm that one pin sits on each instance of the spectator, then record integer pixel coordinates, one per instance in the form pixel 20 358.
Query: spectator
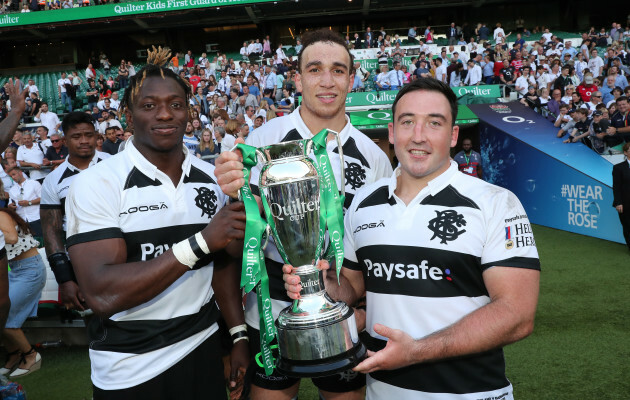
pixel 621 192
pixel 524 81
pixel 26 281
pixel 383 57
pixel 570 124
pixel 456 75
pixel 360 76
pixel 597 131
pixel 531 98
pixel 57 152
pixel 48 119
pixel 396 76
pixel 112 141
pixel 206 147
pixel 382 79
pixel 586 88
pixel 468 160
pixel 108 121
pixel 25 196
pixel 31 155
pixel 596 98
pixel 190 140
pixel 581 129
pixel 411 35
pixel 65 88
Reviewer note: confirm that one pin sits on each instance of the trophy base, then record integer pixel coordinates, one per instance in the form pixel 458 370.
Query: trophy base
pixel 324 367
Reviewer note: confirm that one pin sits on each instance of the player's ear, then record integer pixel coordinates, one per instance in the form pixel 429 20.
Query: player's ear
pixel 454 135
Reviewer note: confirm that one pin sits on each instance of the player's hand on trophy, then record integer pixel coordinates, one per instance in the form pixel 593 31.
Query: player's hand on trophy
pixel 292 282
pixel 228 224
pixel 229 171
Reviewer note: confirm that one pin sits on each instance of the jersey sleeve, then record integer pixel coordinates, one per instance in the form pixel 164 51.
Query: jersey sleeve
pixel 49 199
pixel 509 240
pixel 92 208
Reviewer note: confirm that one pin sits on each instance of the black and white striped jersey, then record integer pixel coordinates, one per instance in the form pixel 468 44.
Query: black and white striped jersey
pixel 364 163
pixel 127 197
pixel 57 183
pixel 423 265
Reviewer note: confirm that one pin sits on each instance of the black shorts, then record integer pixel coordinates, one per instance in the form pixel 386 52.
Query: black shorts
pixel 339 383
pixel 198 376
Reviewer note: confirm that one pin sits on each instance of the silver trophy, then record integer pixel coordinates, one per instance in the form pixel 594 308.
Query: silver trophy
pixel 317 336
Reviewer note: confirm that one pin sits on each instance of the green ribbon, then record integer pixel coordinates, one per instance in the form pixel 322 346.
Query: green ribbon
pixel 253 272
pixel 331 202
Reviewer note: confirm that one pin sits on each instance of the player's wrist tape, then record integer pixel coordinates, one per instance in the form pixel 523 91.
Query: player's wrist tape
pixel 238 332
pixel 61 267
pixel 190 250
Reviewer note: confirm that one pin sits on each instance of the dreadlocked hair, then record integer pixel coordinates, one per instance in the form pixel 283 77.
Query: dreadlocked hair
pixel 157 60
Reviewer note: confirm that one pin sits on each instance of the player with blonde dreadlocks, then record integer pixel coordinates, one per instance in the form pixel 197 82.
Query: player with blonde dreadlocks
pixel 149 234
pixel 156 61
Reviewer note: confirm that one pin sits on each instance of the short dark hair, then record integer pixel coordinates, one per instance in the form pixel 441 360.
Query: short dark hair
pixel 324 35
pixel 45 127
pixel 621 98
pixel 430 85
pixel 110 128
pixel 75 118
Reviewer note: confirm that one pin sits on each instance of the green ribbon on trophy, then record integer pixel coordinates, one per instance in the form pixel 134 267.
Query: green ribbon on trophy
pixel 332 210
pixel 254 273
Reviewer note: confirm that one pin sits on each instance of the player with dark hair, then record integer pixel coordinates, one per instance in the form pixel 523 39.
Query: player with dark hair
pixel 325 76
pixel 80 138
pixel 451 272
pixel 148 236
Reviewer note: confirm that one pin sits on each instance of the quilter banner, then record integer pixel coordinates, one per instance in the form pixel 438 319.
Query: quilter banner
pixel 113 10
pixel 563 186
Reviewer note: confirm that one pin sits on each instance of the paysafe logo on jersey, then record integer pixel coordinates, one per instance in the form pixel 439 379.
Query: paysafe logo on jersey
pixel 407 271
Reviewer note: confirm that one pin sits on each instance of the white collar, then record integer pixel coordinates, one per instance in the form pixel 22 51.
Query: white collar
pixel 150 170
pixel 434 186
pixel 93 162
pixel 299 124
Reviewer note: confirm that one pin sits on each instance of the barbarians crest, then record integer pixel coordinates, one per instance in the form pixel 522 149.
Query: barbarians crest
pixel 355 175
pixel 446 225
pixel 206 200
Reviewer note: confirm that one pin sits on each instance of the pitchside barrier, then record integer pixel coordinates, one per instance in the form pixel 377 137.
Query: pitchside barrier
pixel 562 186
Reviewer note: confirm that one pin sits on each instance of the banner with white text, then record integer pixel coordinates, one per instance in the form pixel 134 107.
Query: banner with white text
pixel 113 10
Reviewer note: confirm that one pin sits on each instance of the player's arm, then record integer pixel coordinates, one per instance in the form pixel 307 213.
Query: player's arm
pixel 110 284
pixel 52 229
pixel 226 286
pixel 508 317
pixel 18 105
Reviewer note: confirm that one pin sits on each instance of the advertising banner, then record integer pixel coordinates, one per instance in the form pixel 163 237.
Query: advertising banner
pixel 378 119
pixel 113 10
pixel 562 186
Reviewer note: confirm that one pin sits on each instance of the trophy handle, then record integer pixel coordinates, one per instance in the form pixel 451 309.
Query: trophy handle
pixel 341 162
pixel 266 235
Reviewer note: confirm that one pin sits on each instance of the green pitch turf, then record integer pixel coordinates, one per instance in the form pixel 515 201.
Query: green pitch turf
pixel 579 349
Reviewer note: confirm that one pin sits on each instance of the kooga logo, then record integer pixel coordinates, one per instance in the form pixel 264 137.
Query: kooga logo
pixel 408 271
pixel 152 207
